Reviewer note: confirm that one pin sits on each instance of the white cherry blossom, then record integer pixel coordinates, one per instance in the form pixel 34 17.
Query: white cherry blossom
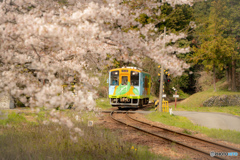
pixel 43 45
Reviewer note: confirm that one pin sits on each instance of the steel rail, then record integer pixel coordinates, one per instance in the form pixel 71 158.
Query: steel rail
pixel 118 111
pixel 201 139
pixel 168 139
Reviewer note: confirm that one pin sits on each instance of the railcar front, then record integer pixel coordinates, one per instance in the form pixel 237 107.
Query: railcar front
pixel 126 87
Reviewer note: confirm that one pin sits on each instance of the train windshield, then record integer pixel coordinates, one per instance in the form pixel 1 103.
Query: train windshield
pixel 114 78
pixel 134 78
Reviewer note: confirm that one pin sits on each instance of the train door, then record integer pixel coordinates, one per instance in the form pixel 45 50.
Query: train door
pixel 124 80
pixel 124 85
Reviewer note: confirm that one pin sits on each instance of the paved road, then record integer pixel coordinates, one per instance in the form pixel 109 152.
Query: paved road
pixel 209 119
pixel 212 120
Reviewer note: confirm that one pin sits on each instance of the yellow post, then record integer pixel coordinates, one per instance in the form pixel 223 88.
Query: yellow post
pixel 156 103
pixel 165 107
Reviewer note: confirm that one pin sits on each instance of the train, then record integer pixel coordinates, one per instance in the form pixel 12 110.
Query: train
pixel 129 87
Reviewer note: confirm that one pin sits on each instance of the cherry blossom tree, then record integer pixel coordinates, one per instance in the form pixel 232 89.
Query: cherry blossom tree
pixel 46 41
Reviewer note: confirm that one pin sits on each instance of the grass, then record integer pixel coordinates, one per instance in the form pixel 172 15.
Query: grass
pixel 152 98
pixel 103 103
pixel 182 94
pixel 234 110
pixel 21 139
pixel 195 101
pixel 183 122
pixel 13 119
pixel 84 117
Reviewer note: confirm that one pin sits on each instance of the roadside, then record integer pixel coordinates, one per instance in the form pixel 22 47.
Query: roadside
pixel 212 120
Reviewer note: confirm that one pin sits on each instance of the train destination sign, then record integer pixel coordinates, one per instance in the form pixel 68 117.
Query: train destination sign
pixel 176 96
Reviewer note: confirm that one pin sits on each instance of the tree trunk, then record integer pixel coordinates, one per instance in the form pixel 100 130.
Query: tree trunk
pixel 226 74
pixel 230 78
pixel 234 89
pixel 214 78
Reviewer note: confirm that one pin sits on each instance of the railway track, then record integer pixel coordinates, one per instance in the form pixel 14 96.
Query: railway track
pixel 191 142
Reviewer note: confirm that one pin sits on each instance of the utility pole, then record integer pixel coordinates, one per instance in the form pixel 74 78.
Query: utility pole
pixel 161 81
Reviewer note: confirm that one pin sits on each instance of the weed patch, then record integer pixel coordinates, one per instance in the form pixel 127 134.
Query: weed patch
pixel 103 103
pixel 187 132
pixel 54 141
pixel 13 119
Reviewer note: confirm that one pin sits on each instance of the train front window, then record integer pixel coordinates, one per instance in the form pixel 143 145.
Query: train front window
pixel 134 78
pixel 124 80
pixel 114 78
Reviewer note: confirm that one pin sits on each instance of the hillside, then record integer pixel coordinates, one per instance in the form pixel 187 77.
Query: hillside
pixel 195 101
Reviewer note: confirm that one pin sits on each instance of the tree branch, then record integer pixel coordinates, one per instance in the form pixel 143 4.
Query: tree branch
pixel 36 53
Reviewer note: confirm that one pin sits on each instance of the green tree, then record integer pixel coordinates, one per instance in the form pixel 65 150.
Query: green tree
pixel 233 30
pixel 216 40
pixel 214 53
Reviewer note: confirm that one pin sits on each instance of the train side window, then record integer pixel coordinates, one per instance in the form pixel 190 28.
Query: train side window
pixel 146 82
pixel 114 78
pixel 134 78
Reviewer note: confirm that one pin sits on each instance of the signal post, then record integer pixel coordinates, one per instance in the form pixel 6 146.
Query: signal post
pixel 175 96
pixel 161 91
pixel 161 79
